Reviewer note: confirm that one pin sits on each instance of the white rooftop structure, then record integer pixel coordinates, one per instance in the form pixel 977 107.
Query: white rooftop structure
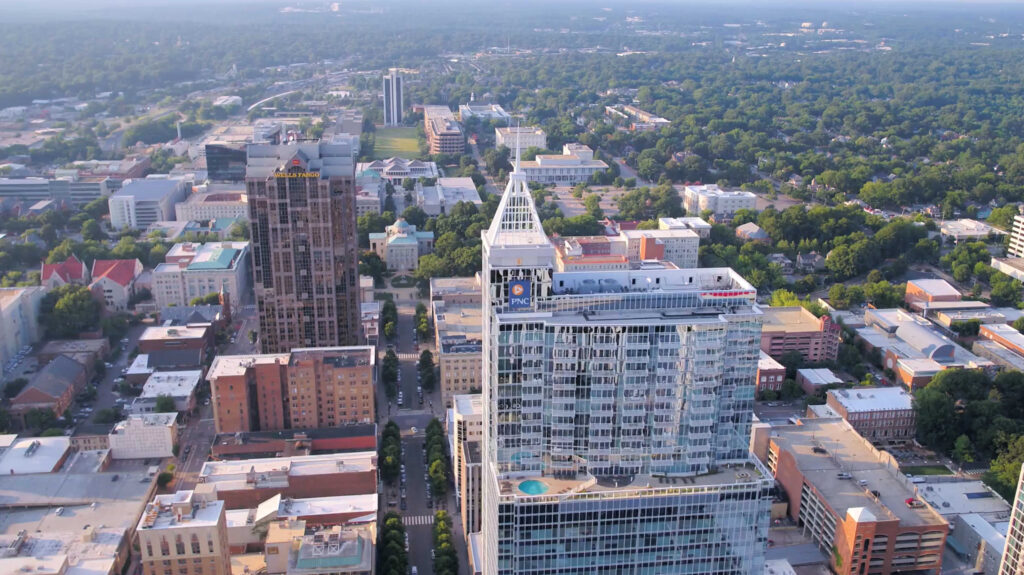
pixel 858 400
pixel 960 497
pixel 967 229
pixel 696 224
pixel 468 405
pixel 936 287
pixel 34 455
pixel 365 504
pixel 767 362
pixel 988 532
pixel 180 510
pixel 818 376
pixel 172 383
pixel 231 472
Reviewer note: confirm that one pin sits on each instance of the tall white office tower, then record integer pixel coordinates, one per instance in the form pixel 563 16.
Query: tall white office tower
pixel 1013 554
pixel 617 413
pixel 393 98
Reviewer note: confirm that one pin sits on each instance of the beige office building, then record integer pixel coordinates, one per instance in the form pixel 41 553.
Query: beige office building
pixel 184 534
pixel 457 337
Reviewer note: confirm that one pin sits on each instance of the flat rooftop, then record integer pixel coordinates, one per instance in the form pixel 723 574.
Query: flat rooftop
pixel 867 399
pixel 236 365
pixel 935 287
pixel 148 189
pixel 846 452
pixel 34 455
pixel 74 346
pixel 172 383
pixel 237 471
pixel 174 332
pixel 353 356
pixel 180 511
pixel 818 376
pixel 309 507
pixel 469 405
pixel 68 489
pixel 789 319
pixel 448 286
pixel 961 497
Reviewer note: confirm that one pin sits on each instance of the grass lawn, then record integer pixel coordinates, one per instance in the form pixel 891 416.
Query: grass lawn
pixel 402 282
pixel 926 470
pixel 401 142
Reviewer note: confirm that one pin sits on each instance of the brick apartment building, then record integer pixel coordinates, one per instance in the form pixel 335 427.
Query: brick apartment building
pixel 789 329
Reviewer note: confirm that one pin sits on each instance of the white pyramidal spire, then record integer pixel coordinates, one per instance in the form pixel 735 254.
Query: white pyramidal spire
pixel 516 221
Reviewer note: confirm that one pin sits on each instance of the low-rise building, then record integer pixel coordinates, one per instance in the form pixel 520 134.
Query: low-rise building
pixel 70 188
pixel 913 348
pixel 52 388
pixel 812 380
pixel 722 204
pixel 187 530
pixel 91 437
pixel 810 262
pixel 702 228
pixel 853 500
pixel 295 548
pixel 68 272
pixel 196 270
pixel 456 291
pixel 525 136
pixel 247 483
pixel 483 111
pixel 394 170
pixel 442 197
pixel 214 201
pixel 85 351
pixel 795 329
pixel 178 385
pixel 71 523
pixel 770 374
pixel 32 455
pixel 293 442
pixel 922 292
pixel 196 336
pixel 575 165
pixel 752 232
pixel 678 246
pixel 370 192
pixel 144 436
pixel 113 282
pixel 401 245
pixel 879 414
pixel 967 230
pixel 1012 266
pixel 459 343
pixel 140 202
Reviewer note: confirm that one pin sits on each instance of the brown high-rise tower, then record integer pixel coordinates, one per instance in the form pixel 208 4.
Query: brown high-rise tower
pixel 305 251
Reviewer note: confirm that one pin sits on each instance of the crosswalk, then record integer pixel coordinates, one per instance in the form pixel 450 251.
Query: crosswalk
pixel 418 520
pixel 408 356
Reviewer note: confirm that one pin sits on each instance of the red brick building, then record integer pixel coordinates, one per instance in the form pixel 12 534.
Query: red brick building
pixel 770 374
pixel 53 388
pixel 247 483
pixel 197 336
pixel 879 414
pixel 852 500
pixel 922 292
pixel 789 329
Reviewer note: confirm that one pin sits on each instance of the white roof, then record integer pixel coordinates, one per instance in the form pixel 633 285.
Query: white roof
pixel 819 376
pixel 986 531
pixel 959 497
pixel 863 399
pixel 935 287
pixel 172 383
pixel 34 455
pixel 468 405
pixel 766 362
pixel 216 471
pixel 159 514
pixel 365 503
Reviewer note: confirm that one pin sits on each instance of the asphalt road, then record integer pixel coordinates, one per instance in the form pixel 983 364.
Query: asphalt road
pixel 105 396
pixel 411 415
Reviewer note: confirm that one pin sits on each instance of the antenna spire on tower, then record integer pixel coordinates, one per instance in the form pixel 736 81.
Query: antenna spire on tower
pixel 516 167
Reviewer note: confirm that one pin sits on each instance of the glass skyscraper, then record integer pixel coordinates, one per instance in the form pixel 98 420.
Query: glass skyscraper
pixel 617 413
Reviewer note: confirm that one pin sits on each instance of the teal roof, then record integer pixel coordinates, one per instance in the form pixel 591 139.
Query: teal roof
pixel 220 259
pixel 223 223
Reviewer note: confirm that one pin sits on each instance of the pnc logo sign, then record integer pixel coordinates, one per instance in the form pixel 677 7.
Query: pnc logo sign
pixel 519 294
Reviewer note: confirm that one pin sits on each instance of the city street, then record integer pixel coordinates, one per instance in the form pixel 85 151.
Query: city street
pixel 411 415
pixel 105 396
